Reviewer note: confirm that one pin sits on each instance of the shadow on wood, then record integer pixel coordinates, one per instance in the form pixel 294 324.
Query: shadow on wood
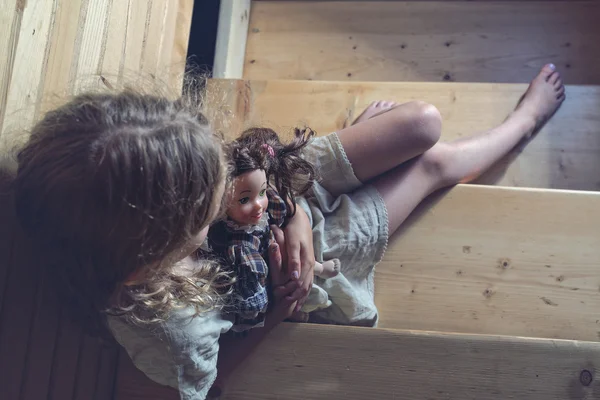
pixel 42 353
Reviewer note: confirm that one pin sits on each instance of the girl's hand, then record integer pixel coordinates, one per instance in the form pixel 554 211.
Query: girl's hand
pixel 286 292
pixel 297 247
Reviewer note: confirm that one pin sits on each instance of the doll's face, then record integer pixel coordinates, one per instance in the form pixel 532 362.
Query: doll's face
pixel 249 201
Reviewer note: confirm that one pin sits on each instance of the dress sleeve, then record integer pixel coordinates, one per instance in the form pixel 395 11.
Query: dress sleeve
pixel 277 208
pixel 194 344
pixel 181 352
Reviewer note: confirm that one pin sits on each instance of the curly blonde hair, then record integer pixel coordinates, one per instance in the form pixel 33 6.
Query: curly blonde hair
pixel 111 183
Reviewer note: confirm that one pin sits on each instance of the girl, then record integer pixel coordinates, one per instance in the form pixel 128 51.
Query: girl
pixel 119 191
pixel 259 160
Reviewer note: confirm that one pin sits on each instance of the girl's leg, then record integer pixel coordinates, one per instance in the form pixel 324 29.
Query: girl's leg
pixel 392 137
pixel 446 164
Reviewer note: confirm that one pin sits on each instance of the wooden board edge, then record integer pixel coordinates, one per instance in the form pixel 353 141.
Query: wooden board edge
pixel 301 361
pixel 232 33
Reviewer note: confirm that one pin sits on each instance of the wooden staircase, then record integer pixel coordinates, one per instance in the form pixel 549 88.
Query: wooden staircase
pixel 489 291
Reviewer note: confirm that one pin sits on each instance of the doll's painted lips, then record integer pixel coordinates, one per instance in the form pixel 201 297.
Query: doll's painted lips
pixel 257 216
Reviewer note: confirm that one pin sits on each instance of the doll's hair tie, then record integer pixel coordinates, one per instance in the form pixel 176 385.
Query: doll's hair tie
pixel 269 149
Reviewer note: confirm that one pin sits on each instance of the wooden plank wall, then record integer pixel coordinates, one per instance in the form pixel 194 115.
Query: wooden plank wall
pixel 49 49
pixel 462 41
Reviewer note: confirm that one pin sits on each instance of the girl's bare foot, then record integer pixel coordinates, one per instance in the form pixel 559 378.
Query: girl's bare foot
pixel 328 269
pixel 375 108
pixel 542 99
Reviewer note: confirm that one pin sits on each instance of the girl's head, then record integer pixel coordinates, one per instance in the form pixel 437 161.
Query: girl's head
pixel 121 185
pixel 259 149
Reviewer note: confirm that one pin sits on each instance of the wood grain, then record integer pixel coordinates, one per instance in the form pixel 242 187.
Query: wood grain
pixel 177 46
pixel 494 260
pixel 10 22
pixel 564 155
pixel 7 228
pixel 462 41
pixel 329 362
pixel 29 60
pixel 59 47
pixel 41 347
pixel 16 316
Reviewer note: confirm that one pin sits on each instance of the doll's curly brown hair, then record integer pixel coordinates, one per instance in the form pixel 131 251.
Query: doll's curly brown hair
pixel 286 170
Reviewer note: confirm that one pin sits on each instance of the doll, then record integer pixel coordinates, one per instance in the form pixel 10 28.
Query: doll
pixel 267 176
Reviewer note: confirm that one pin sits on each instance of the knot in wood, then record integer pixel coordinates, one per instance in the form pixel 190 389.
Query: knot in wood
pixel 586 377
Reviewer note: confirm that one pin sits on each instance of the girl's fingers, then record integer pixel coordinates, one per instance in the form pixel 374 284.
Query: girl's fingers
pixel 298 294
pixel 275 264
pixel 287 290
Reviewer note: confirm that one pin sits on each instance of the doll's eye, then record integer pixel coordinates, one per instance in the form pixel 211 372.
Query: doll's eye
pixel 262 192
pixel 244 200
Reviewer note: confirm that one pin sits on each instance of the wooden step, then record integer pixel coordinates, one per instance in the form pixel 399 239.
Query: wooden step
pixel 320 362
pixel 463 41
pixel 491 260
pixel 476 259
pixel 564 155
pixel 445 270
pixel 330 362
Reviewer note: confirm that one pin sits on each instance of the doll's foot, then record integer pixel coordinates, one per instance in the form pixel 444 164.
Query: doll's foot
pixel 331 268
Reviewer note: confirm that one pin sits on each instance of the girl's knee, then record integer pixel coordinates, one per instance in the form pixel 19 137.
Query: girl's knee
pixel 435 163
pixel 425 123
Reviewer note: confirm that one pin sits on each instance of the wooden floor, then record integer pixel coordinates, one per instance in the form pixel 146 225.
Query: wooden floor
pixel 460 41
pixel 48 51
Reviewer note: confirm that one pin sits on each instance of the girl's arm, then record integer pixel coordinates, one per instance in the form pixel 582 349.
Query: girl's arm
pixel 298 250
pixel 296 240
